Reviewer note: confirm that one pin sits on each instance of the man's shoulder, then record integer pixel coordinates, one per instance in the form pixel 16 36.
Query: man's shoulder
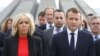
pixel 42 26
pixel 38 32
pixel 60 35
pixel 50 29
pixel 36 38
pixel 84 33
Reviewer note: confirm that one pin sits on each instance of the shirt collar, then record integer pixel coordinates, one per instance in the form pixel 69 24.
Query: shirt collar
pixel 61 28
pixel 69 31
pixel 49 24
pixel 95 35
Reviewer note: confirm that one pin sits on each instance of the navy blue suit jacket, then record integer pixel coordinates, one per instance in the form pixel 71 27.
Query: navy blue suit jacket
pixel 60 45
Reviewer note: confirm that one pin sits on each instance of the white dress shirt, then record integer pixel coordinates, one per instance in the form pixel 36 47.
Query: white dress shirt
pixel 75 36
pixel 48 25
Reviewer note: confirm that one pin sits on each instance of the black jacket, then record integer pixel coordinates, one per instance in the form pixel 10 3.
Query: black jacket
pixel 2 37
pixel 11 46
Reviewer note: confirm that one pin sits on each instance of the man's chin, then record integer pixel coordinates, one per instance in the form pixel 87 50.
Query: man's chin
pixel 59 26
pixel 73 29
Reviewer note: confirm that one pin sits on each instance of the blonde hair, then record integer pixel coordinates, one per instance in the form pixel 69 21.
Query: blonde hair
pixel 4 27
pixel 17 18
pixel 84 20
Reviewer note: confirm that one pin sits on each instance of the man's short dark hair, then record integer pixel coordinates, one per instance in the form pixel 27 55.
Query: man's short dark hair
pixel 74 10
pixel 58 10
pixel 41 14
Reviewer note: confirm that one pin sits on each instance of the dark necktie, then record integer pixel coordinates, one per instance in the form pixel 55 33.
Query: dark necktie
pixel 96 37
pixel 57 29
pixel 50 25
pixel 72 44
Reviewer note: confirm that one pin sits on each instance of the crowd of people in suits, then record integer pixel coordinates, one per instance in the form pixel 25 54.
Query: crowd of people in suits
pixel 57 34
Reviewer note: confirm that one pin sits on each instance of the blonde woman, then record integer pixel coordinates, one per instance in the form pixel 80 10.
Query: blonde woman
pixel 22 41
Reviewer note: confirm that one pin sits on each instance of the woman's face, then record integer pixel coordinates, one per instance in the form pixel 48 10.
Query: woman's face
pixel 23 25
pixel 9 24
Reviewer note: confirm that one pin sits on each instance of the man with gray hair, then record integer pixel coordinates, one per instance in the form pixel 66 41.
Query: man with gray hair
pixel 95 27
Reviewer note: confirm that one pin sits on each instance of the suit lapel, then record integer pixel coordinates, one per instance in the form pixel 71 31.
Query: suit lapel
pixel 50 34
pixel 65 39
pixel 31 46
pixel 15 46
pixel 79 41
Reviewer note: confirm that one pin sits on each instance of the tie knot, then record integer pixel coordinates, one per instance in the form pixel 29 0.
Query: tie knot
pixel 57 29
pixel 96 36
pixel 72 34
pixel 50 25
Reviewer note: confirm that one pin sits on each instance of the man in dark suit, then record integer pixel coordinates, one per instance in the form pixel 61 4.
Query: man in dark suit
pixel 72 42
pixel 41 18
pixel 95 27
pixel 49 18
pixel 58 19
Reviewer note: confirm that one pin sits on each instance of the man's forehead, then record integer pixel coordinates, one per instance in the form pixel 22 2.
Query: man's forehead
pixel 73 13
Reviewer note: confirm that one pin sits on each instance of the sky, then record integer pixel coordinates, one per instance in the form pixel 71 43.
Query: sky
pixel 95 4
pixel 4 4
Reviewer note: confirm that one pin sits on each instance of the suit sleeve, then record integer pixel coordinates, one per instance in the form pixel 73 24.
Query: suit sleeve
pixel 53 50
pixel 91 47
